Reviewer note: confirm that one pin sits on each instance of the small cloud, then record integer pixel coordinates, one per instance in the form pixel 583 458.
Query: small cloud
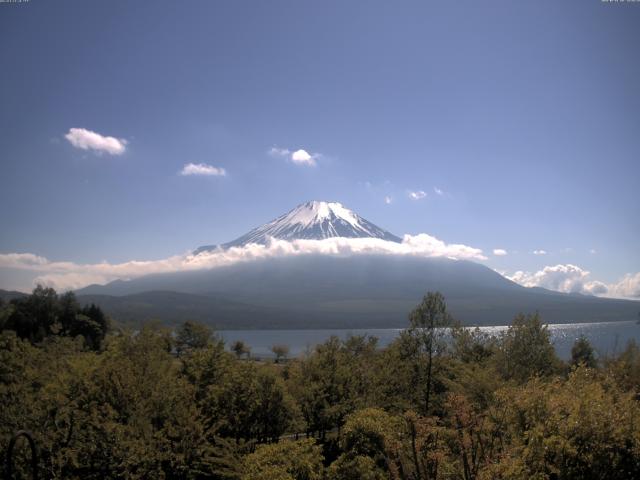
pixel 499 252
pixel 299 157
pixel 279 152
pixel 593 251
pixel 539 252
pixel 88 140
pixel 388 200
pixel 417 195
pixel 202 169
pixel 302 157
pixel 438 191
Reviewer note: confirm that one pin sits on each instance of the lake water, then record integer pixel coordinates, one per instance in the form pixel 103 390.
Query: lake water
pixel 607 337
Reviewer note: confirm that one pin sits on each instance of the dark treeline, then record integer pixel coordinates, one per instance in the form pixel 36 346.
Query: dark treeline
pixel 44 313
pixel 158 404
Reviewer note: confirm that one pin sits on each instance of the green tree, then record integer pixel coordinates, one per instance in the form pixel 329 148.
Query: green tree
pixel 99 326
pixel 207 367
pixel 428 327
pixel 355 467
pixel 286 460
pixel 626 367
pixel 525 350
pixel 67 308
pixel 44 313
pixel 333 381
pixel 368 438
pixel 582 353
pixel 396 375
pixel 474 436
pixel 6 310
pixel 582 427
pixel 192 336
pixel 34 317
pixel 240 348
pixel 280 351
pixel 249 402
pixel 471 345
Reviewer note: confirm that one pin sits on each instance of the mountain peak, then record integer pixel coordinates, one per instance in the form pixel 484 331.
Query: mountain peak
pixel 313 220
pixel 317 211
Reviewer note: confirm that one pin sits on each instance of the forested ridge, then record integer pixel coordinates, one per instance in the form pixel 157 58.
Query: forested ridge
pixel 105 402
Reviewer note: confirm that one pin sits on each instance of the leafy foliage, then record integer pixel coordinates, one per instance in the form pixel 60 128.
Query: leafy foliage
pixel 44 313
pixel 526 350
pixel 280 351
pixel 582 353
pixel 148 404
pixel 240 348
pixel 192 335
pixel 286 460
pixel 425 337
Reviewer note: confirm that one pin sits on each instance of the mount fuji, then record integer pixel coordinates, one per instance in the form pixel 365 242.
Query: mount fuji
pixel 313 220
pixel 318 290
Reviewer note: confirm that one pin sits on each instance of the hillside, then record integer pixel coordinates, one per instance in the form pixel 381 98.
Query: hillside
pixel 342 292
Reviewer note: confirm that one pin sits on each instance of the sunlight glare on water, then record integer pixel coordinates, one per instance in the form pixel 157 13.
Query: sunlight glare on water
pixel 606 337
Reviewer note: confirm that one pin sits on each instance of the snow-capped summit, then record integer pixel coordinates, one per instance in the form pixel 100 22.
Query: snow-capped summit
pixel 313 220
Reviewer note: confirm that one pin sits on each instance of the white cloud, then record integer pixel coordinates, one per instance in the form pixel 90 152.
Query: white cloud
pixel 69 275
pixel 428 246
pixel 279 152
pixel 202 169
pixel 593 251
pixel 627 287
pixel 539 252
pixel 299 157
pixel 569 278
pixel 24 261
pixel 302 157
pixel 417 195
pixel 499 252
pixel 438 191
pixel 88 140
pixel 562 278
pixel 388 200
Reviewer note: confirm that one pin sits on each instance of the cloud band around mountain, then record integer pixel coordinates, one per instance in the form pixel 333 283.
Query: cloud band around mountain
pixel 565 278
pixel 70 275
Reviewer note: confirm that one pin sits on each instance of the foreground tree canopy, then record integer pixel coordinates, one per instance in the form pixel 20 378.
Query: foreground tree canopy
pixel 157 404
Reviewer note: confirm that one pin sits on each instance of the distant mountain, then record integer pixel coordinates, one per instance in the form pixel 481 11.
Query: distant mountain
pixel 314 220
pixel 326 291
pixel 8 295
pixel 361 291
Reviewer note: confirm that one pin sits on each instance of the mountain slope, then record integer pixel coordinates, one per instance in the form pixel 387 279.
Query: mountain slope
pixel 353 292
pixel 7 295
pixel 176 307
pixel 312 220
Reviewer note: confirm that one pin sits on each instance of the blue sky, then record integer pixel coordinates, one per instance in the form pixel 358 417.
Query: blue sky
pixel 525 115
